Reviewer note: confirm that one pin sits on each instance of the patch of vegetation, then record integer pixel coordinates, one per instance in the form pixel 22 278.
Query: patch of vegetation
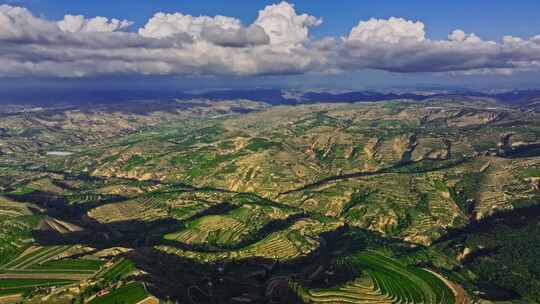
pixel 14 235
pixel 23 286
pixel 355 214
pixel 131 293
pixel 485 145
pixel 358 197
pixel 118 271
pixel 509 261
pixel 69 264
pixel 31 132
pixel 259 144
pixel 22 191
pixel 423 203
pixel 532 172
pixel 226 144
pixel 440 185
pixel 394 106
pixel 133 162
pixel 201 135
pixel 403 223
pixel 387 124
pixel 465 190
pixel 198 163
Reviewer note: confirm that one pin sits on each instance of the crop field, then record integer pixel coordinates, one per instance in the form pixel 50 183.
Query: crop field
pixel 79 265
pixel 43 267
pixel 46 185
pixel 21 286
pixel 403 284
pixel 361 290
pixel 216 229
pixel 119 270
pixel 35 255
pixel 58 226
pixel 16 223
pixel 84 198
pixel 383 280
pixel 229 229
pixel 387 204
pixel 300 238
pixel 144 209
pixel 131 293
pixel 42 261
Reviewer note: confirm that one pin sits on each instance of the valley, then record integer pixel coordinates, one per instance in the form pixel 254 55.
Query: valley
pixel 247 202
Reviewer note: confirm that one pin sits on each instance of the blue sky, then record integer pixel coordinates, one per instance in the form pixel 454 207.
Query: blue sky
pixel 487 19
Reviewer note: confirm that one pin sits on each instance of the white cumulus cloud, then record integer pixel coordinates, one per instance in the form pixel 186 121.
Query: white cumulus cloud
pixel 220 30
pixel 393 30
pixel 278 42
pixel 18 23
pixel 78 23
pixel 163 25
pixel 284 25
pixel 461 36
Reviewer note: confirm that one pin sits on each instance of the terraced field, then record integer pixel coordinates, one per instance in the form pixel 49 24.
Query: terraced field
pixel 40 267
pixel 384 280
pixel 45 261
pixel 299 239
pixel 56 268
pixel 144 209
pixel 16 223
pixel 361 290
pixel 230 229
pixel 119 270
pixel 214 229
pixel 46 185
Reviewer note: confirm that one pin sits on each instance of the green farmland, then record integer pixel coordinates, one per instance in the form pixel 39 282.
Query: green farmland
pixel 22 286
pixel 382 280
pixel 131 293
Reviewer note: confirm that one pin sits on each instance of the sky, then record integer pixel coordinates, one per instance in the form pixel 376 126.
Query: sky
pixel 353 44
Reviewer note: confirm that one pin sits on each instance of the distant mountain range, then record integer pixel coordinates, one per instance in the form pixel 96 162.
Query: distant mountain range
pixel 276 96
pixel 270 96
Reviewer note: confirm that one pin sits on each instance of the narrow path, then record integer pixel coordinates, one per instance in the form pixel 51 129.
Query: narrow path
pixel 459 293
